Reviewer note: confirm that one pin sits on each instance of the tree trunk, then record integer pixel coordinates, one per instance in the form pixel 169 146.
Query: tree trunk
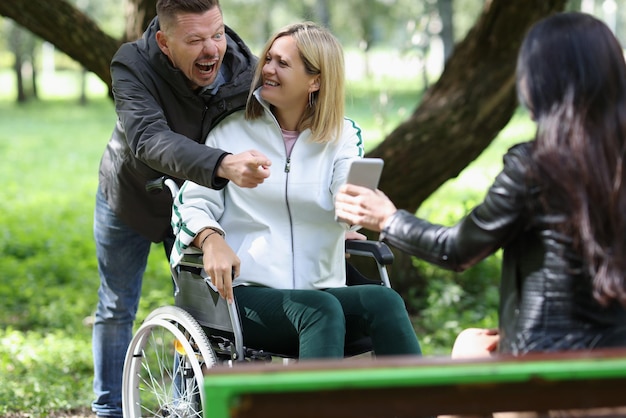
pixel 82 99
pixel 19 79
pixel 33 78
pixel 322 12
pixel 446 13
pixel 139 13
pixel 15 43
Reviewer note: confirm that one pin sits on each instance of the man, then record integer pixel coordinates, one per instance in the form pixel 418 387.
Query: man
pixel 171 87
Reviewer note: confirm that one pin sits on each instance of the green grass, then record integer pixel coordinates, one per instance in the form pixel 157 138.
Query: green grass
pixel 50 152
pixel 49 155
pixel 43 372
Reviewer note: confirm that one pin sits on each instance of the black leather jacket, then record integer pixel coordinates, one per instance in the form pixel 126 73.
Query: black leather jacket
pixel 161 128
pixel 546 301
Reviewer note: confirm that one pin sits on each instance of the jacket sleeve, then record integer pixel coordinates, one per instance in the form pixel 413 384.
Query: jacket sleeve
pixel 486 229
pixel 195 208
pixel 139 104
pixel 351 146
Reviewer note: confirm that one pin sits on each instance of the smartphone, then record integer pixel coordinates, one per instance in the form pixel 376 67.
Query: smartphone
pixel 365 172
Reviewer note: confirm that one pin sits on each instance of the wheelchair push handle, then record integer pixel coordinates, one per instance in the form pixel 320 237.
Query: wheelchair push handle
pixel 158 185
pixel 376 249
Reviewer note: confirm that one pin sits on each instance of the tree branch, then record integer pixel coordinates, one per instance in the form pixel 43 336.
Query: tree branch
pixel 70 30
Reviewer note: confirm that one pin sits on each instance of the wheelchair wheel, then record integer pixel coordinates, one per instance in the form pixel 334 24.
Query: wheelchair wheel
pixel 163 366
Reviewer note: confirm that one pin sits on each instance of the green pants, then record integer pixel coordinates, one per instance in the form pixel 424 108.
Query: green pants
pixel 318 323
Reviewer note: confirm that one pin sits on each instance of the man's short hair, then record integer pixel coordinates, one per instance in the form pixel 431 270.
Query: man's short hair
pixel 167 10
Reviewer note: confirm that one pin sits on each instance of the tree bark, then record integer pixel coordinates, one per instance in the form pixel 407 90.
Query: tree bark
pixel 139 13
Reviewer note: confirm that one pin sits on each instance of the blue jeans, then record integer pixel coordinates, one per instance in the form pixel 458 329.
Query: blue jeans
pixel 122 257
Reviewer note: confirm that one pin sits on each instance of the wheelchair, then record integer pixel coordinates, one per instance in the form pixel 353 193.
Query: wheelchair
pixel 175 345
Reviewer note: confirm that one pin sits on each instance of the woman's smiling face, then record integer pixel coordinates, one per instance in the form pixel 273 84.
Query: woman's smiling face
pixel 286 84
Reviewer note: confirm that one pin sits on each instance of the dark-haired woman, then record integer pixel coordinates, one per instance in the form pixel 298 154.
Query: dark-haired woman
pixel 557 209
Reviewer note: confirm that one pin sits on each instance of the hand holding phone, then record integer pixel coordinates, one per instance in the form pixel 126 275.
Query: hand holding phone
pixel 365 172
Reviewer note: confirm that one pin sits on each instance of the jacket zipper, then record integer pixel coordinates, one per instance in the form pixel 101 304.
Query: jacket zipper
pixel 293 268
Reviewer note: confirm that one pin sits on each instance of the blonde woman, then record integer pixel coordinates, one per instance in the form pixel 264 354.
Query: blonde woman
pixel 277 248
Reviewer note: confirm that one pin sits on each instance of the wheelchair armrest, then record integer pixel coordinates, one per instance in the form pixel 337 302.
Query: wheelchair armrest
pixel 193 259
pixel 376 249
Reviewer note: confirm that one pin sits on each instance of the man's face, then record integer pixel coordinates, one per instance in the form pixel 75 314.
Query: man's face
pixel 195 44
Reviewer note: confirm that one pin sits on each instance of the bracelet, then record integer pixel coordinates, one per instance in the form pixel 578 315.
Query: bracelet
pixel 215 231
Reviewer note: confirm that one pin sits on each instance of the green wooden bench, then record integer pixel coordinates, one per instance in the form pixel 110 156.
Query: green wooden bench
pixel 415 387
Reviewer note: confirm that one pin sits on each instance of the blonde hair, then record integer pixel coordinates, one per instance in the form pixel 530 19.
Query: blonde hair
pixel 322 55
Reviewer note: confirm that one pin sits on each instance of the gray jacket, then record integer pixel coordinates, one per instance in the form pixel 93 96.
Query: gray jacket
pixel 161 128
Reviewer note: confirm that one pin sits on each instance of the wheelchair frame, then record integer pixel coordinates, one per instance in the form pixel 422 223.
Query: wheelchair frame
pixel 169 353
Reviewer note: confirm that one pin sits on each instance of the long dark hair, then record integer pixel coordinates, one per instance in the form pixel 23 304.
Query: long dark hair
pixel 571 75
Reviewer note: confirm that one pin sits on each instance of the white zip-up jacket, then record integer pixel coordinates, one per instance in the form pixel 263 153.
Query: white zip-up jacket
pixel 284 231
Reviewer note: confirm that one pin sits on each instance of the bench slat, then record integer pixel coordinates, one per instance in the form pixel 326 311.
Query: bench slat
pixel 412 387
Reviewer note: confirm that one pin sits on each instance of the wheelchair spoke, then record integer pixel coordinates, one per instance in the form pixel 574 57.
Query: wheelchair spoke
pixel 163 371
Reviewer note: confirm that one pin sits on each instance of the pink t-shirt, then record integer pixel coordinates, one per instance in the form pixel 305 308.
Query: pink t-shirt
pixel 290 139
